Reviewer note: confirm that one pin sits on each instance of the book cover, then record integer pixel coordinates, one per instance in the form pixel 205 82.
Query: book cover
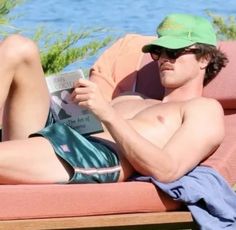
pixel 64 110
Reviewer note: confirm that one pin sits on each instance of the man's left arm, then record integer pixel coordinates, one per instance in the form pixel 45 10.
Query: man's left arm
pixel 200 134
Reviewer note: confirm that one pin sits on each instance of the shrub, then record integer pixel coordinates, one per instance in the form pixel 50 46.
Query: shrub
pixel 57 52
pixel 225 27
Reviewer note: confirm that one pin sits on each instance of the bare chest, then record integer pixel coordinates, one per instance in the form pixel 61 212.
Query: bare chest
pixel 153 120
pixel 158 123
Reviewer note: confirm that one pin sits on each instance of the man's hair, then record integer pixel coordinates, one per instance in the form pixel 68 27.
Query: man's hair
pixel 218 60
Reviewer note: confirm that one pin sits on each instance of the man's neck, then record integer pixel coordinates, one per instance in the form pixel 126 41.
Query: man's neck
pixel 184 93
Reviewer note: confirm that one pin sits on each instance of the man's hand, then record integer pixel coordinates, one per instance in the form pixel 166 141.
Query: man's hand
pixel 88 95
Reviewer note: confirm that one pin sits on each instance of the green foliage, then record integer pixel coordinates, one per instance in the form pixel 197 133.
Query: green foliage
pixel 60 51
pixel 225 28
pixel 65 50
pixel 5 7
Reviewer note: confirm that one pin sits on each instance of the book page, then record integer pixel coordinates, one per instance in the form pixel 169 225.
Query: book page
pixel 64 110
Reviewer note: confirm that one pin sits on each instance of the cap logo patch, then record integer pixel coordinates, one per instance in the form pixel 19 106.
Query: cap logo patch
pixel 169 24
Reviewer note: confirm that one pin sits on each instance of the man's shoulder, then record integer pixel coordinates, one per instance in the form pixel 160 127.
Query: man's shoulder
pixel 203 101
pixel 205 116
pixel 203 105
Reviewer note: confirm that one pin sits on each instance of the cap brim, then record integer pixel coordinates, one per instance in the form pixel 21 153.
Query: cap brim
pixel 168 42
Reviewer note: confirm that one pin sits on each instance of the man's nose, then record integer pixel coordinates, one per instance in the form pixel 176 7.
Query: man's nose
pixel 165 58
pixel 163 55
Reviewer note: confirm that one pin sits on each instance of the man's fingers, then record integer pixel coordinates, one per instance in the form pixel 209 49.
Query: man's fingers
pixel 80 90
pixel 83 83
pixel 80 98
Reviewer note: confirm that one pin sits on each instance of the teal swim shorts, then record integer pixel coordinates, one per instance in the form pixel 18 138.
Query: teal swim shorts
pixel 92 161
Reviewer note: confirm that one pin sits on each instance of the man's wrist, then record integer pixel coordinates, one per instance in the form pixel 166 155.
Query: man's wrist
pixel 108 116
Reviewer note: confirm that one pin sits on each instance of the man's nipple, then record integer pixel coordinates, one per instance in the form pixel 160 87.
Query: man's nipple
pixel 160 119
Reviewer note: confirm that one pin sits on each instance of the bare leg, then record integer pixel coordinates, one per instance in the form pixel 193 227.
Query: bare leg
pixel 23 88
pixel 31 161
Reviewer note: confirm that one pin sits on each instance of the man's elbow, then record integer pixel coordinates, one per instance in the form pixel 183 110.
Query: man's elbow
pixel 170 174
pixel 166 178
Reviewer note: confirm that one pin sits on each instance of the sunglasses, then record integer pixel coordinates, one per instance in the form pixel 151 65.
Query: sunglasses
pixel 172 53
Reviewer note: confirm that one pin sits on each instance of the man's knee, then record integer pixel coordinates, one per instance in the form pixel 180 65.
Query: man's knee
pixel 17 48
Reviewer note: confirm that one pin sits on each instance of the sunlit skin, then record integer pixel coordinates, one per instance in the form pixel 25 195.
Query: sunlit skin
pixel 164 139
pixel 157 137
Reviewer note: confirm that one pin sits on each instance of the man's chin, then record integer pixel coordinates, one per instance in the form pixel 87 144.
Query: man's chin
pixel 170 84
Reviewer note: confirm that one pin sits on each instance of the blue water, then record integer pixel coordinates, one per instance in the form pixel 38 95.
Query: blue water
pixel 116 16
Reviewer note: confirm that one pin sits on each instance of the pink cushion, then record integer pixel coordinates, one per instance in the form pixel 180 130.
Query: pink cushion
pixel 223 87
pixel 42 201
pixel 224 158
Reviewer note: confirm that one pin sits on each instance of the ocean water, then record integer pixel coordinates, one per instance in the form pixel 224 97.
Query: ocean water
pixel 117 17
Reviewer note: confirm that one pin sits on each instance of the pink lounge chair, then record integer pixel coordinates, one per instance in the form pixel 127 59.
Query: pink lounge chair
pixel 126 205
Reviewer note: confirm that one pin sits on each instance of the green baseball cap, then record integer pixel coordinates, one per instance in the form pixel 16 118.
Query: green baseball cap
pixel 182 30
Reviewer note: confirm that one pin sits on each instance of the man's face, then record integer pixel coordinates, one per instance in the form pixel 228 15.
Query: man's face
pixel 177 67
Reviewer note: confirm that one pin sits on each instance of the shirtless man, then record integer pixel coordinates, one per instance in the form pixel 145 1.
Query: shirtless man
pixel 164 139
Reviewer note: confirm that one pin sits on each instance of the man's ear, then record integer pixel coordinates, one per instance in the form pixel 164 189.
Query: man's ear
pixel 204 61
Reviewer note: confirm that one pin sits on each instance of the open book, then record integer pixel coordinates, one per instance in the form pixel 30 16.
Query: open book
pixel 64 110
